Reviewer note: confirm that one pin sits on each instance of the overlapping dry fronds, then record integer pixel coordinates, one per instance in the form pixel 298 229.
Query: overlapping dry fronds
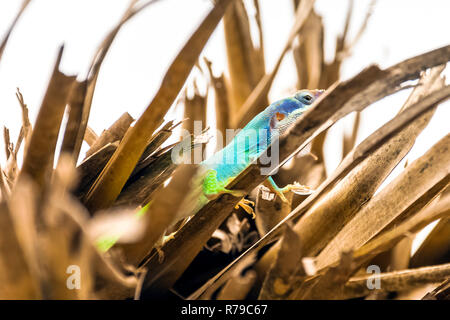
pixel 111 215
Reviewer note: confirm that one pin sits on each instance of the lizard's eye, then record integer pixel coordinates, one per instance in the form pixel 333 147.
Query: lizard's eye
pixel 307 97
pixel 280 116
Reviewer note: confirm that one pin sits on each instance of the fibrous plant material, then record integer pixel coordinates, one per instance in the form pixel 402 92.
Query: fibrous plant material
pixel 115 226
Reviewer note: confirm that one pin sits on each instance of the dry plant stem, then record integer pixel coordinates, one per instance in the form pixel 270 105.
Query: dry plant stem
pixel 7 140
pixel 161 214
pixel 75 103
pixel 96 64
pixel 436 209
pixel 16 277
pixel 221 103
pixel 341 203
pixel 64 239
pixel 154 147
pixel 243 61
pixel 18 143
pixel 354 94
pixel 5 39
pixel 442 292
pixel 435 247
pixel 113 133
pixel 277 283
pixel 400 254
pixel 349 140
pixel 194 110
pixel 328 284
pixel 90 136
pixel 252 104
pixel 22 206
pixel 115 174
pixel 396 281
pixel 39 157
pixel 260 49
pixel 309 54
pixel 110 280
pixel 237 288
pixel 4 187
pixel 26 125
pixel 318 287
pixel 418 177
pixel 270 211
pixel 141 187
pixel 90 168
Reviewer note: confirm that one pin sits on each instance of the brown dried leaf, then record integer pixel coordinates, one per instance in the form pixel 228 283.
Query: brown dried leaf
pixel 39 156
pixel 161 213
pixel 416 179
pixel 279 279
pixel 132 10
pixel 396 281
pixel 243 61
pixel 238 287
pixel 255 101
pixel 435 248
pixel 114 133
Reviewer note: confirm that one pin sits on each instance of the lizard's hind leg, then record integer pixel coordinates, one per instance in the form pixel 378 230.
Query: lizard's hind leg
pixel 212 188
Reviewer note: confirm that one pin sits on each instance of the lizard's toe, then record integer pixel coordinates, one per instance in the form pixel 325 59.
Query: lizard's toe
pixel 300 189
pixel 245 204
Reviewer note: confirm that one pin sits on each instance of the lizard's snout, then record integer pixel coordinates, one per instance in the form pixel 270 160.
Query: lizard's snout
pixel 317 92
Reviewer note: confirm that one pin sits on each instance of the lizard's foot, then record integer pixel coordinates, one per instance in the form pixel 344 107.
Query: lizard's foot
pixel 296 188
pixel 245 204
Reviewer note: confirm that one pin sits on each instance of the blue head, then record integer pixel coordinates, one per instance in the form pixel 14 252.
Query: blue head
pixel 283 113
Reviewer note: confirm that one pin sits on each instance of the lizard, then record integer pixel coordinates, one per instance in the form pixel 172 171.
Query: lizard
pixel 249 143
pixel 217 171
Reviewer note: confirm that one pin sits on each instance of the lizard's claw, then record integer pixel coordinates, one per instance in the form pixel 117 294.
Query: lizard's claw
pixel 298 188
pixel 244 204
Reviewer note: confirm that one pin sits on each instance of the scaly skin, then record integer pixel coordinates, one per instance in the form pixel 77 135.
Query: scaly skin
pixel 229 162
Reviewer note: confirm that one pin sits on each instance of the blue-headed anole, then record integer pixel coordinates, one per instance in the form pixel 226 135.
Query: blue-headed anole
pixel 226 164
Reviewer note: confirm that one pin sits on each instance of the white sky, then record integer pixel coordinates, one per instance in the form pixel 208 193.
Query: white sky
pixel 141 52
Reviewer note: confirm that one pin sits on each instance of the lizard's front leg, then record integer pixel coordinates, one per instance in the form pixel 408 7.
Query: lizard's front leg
pixel 296 187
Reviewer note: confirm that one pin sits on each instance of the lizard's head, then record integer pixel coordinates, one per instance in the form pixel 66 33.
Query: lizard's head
pixel 285 112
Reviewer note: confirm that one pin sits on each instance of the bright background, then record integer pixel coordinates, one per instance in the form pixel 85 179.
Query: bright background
pixel 146 45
